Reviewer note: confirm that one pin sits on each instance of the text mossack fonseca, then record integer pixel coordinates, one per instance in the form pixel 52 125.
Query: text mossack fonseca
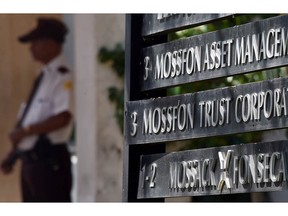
pixel 222 170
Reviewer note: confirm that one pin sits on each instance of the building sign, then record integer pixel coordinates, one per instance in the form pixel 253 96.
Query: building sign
pixel 152 118
pixel 233 169
pixel 163 23
pixel 250 107
pixel 251 47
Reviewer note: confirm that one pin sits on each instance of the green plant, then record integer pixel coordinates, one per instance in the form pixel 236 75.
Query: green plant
pixel 115 58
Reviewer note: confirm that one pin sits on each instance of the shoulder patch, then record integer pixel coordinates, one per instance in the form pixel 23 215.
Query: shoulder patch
pixel 63 69
pixel 68 85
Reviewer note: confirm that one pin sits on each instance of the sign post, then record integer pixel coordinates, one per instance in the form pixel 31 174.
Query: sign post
pixel 132 153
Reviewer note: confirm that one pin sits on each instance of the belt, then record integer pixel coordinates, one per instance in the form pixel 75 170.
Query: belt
pixel 54 153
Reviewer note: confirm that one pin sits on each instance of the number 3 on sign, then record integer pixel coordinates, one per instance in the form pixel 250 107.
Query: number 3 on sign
pixel 147 67
pixel 134 124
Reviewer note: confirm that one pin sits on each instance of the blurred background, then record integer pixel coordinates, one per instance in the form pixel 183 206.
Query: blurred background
pixel 96 151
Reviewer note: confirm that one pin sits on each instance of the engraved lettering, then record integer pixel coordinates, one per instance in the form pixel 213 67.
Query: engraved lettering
pixel 224 167
pixel 134 124
pixel 168 119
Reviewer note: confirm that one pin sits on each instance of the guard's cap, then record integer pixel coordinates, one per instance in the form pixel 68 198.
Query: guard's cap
pixel 46 28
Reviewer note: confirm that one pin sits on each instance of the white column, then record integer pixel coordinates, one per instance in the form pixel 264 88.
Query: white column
pixel 82 33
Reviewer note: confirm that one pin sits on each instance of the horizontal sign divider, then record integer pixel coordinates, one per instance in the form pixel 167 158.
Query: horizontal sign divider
pixel 249 107
pixel 154 24
pixel 241 49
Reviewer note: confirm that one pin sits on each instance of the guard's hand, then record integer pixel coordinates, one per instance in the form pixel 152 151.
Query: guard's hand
pixel 17 135
pixel 6 166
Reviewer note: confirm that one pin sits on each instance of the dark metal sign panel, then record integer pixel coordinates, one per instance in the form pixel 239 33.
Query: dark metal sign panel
pixel 160 23
pixel 250 107
pixel 259 167
pixel 241 49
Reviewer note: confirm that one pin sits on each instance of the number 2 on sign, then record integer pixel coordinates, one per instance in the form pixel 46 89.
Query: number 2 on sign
pixel 148 178
pixel 152 180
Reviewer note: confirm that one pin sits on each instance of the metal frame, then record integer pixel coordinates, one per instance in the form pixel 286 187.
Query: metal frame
pixel 132 153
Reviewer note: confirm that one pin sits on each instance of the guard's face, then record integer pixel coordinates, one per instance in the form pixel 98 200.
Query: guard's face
pixel 40 48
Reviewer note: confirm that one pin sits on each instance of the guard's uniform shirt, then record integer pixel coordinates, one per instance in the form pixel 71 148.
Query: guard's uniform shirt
pixel 53 96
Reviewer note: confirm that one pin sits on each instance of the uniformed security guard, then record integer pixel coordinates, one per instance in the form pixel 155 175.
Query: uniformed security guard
pixel 45 122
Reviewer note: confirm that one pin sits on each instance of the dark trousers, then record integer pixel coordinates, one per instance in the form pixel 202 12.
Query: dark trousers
pixel 47 179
